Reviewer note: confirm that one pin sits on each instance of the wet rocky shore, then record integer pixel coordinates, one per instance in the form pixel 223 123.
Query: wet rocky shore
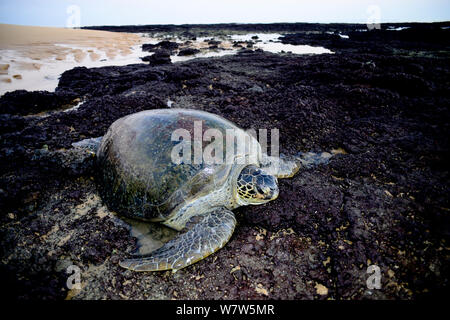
pixel 381 99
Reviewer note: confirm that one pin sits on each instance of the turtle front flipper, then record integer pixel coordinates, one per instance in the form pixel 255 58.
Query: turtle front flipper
pixel 200 240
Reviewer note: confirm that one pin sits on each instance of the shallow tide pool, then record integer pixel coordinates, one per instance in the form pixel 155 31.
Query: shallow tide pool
pixel 270 42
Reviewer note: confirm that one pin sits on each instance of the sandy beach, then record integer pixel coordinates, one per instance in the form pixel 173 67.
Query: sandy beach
pixel 38 55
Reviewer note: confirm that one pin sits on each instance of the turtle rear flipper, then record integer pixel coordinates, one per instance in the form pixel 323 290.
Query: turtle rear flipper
pixel 90 144
pixel 288 166
pixel 281 167
pixel 199 241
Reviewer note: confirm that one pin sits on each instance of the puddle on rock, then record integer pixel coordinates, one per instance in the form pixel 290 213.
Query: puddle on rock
pixel 270 42
pixel 150 235
pixel 391 28
pixel 278 47
pixel 203 54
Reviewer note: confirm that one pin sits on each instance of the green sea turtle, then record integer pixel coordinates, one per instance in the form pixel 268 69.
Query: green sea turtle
pixel 138 178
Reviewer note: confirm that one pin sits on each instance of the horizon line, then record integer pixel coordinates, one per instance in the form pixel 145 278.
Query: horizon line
pixel 226 23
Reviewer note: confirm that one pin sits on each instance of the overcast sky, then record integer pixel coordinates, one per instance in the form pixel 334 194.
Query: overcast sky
pixel 60 13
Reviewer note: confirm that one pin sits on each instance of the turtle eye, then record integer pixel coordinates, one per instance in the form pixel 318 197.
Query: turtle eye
pixel 259 189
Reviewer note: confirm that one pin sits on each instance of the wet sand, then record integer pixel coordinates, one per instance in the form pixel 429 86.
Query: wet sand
pixel 15 36
pixel 28 53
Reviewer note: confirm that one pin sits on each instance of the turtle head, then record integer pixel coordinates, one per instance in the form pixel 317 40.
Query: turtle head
pixel 255 186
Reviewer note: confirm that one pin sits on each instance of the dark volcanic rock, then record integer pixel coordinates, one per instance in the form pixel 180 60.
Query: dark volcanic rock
pixel 146 58
pixel 166 45
pixel 214 42
pixel 381 200
pixel 23 102
pixel 188 52
pixel 149 47
pixel 159 57
pixel 377 41
pixel 189 35
pixel 80 80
